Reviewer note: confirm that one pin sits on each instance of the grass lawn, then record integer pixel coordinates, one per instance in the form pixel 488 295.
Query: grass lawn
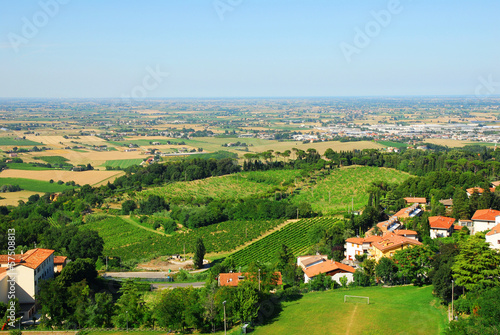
pixel 393 144
pixel 123 163
pixel 54 159
pixel 25 166
pixel 35 185
pixel 394 310
pixel 16 142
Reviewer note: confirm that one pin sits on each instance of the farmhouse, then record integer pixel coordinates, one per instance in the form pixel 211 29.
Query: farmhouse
pixel 358 246
pixel 447 203
pixel 315 265
pixel 484 219
pixel 493 237
pixel 477 190
pixel 441 226
pixel 59 263
pixel 29 269
pixel 389 244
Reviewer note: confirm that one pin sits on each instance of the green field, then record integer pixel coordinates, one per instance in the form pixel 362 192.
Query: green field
pixel 294 235
pixel 17 142
pixel 25 166
pixel 35 185
pixel 131 242
pixel 54 159
pixel 236 186
pixel 333 194
pixel 392 310
pixel 123 163
pixel 393 144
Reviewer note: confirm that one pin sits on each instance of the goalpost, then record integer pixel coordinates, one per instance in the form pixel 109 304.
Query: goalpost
pixel 356 297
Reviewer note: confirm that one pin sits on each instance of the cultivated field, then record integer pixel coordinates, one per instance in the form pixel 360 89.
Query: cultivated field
pixel 82 178
pixel 34 185
pixel 123 163
pixel 335 193
pixel 57 140
pixel 393 310
pixel 96 158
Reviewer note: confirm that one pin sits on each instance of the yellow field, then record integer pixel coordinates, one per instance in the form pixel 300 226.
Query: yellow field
pixel 12 198
pixel 319 146
pixel 450 143
pixel 85 177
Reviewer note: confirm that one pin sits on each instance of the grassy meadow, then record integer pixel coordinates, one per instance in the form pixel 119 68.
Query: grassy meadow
pixel 123 163
pixel 35 185
pixel 392 310
pixel 334 194
pixel 6 141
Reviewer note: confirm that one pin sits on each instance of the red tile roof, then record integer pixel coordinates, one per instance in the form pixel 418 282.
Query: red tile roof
pixel 494 230
pixel 391 241
pixel 457 227
pixel 326 267
pixel 59 260
pixel 478 190
pixel 31 258
pixel 356 240
pixel 3 272
pixel 403 232
pixel 441 222
pixel 233 278
pixel 485 215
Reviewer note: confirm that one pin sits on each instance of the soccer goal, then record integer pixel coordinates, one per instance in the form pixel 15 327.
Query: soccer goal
pixel 356 298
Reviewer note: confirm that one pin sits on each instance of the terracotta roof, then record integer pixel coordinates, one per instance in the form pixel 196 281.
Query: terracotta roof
pixel 326 267
pixel 402 232
pixel 232 279
pixel 495 183
pixel 485 215
pixel 357 240
pixel 410 200
pixel 31 258
pixel 457 227
pixel 371 239
pixel 478 190
pixel 3 273
pixel 405 212
pixel 391 241
pixel 441 222
pixel 59 260
pixel 495 230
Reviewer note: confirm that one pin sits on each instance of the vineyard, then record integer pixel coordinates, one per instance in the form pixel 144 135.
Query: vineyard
pixel 133 243
pixel 294 235
pixel 123 163
pixel 236 186
pixel 334 194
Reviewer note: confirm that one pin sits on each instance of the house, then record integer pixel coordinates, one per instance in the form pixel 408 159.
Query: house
pixel 233 278
pixel 389 244
pixel 420 201
pixel 447 203
pixel 484 219
pixel 407 233
pixel 13 154
pixel 313 266
pixel 466 223
pixel 493 237
pixel 441 226
pixel 358 246
pixel 495 183
pixel 478 190
pixel 27 270
pixel 59 263
pixel 409 212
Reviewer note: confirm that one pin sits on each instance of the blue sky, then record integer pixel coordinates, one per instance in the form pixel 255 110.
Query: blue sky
pixel 263 48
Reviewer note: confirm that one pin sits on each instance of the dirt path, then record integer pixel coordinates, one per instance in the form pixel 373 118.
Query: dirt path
pixel 352 320
pixel 132 222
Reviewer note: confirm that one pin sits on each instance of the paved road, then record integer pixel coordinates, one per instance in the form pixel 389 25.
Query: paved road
pixel 144 274
pixel 174 285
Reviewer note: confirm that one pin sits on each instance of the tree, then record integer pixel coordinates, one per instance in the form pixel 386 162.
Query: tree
pixel 247 301
pixel 78 270
pixel 128 206
pixel 86 244
pixel 414 263
pixel 199 253
pixel 100 311
pixel 477 265
pixel 386 270
pixel 441 273
pixel 130 308
pixel 461 208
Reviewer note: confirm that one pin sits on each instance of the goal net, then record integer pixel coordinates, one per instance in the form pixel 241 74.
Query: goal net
pixel 356 299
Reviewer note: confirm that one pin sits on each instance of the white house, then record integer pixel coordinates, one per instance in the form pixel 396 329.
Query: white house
pixel 315 265
pixel 353 246
pixel 441 226
pixel 29 269
pixel 493 237
pixel 485 219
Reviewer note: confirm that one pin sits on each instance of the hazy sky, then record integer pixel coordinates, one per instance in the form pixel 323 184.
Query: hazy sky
pixel 247 48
